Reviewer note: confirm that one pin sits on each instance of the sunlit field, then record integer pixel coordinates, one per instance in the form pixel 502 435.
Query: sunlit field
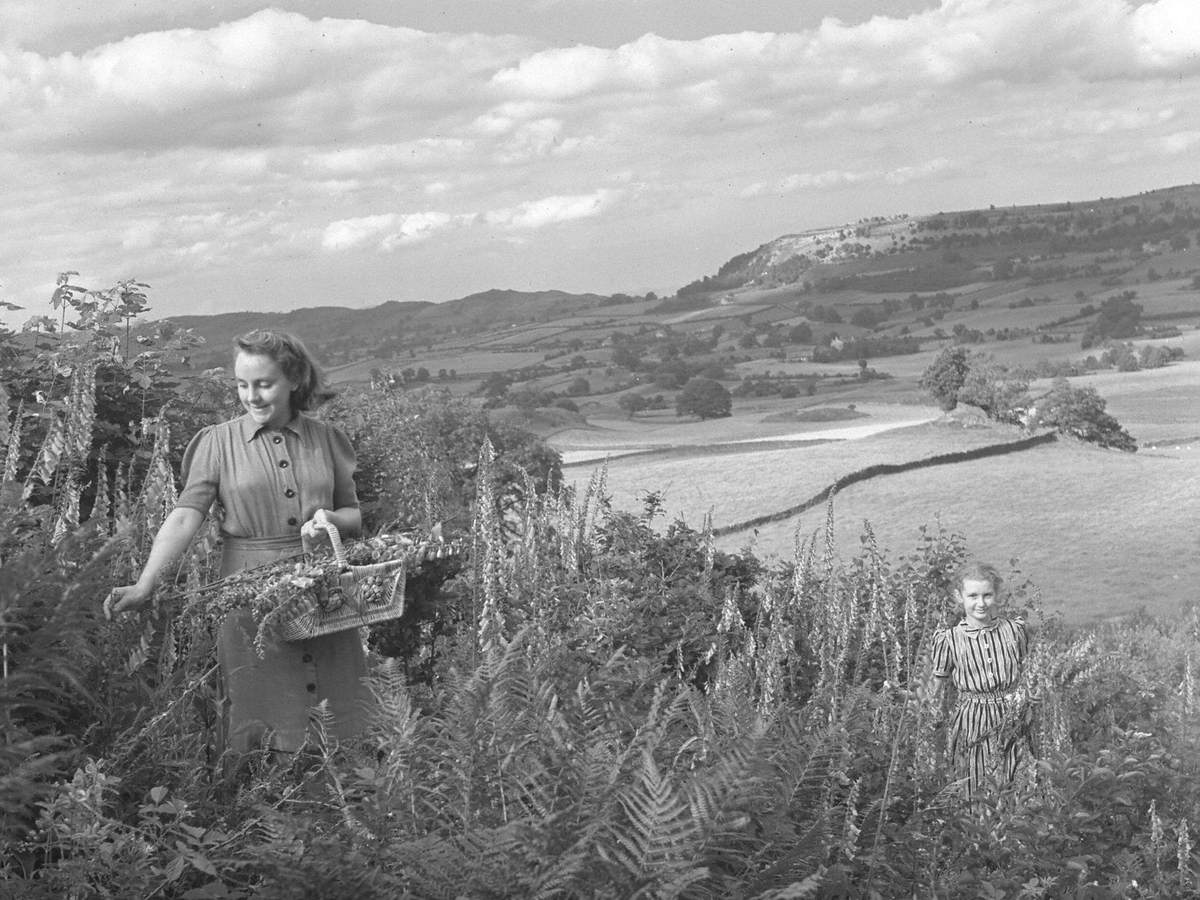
pixel 751 420
pixel 467 362
pixel 1156 405
pixel 1101 533
pixel 736 483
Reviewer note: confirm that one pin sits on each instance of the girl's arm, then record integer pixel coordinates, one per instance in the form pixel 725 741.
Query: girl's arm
pixel 177 531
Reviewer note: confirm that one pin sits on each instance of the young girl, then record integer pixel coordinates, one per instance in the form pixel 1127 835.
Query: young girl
pixel 984 656
pixel 271 469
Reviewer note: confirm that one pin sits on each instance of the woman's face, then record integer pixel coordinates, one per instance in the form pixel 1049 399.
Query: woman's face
pixel 265 392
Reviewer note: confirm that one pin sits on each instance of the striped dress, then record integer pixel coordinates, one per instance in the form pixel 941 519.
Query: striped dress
pixel 985 666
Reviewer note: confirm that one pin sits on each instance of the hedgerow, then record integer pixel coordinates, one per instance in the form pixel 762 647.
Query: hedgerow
pixel 591 706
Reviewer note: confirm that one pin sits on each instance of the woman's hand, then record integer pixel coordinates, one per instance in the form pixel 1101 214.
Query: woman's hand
pixel 127 598
pixel 315 528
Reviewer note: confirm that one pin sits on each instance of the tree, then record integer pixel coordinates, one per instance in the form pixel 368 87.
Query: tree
pixel 800 334
pixel 1119 318
pixel 945 376
pixel 705 398
pixel 627 357
pixel 1000 392
pixel 1080 413
pixel 579 386
pixel 632 403
pixel 493 388
pixel 418 453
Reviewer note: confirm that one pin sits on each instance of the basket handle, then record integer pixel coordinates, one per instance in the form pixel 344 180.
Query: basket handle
pixel 320 519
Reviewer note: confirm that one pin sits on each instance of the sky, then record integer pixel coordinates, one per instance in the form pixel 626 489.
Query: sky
pixel 236 156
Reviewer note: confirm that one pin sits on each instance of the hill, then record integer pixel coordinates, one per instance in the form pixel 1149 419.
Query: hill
pixel 341 332
pixel 952 250
pixel 855 310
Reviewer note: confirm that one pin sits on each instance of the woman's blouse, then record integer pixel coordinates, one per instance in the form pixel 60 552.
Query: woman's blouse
pixel 269 481
pixel 981 660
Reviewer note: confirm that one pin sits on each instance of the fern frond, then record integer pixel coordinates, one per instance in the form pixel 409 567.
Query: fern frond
pixel 658 838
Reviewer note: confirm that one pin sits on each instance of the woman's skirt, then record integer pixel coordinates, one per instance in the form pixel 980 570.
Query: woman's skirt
pixel 272 700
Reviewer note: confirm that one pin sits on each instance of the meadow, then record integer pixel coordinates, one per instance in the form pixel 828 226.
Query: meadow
pixel 1100 534
pixel 736 481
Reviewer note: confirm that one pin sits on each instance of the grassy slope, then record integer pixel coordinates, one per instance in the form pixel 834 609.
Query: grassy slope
pixel 736 486
pixel 1101 533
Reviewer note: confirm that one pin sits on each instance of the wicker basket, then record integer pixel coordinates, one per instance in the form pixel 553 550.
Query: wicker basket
pixel 354 595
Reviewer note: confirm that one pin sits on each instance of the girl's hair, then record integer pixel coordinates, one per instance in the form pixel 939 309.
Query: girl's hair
pixel 977 571
pixel 293 358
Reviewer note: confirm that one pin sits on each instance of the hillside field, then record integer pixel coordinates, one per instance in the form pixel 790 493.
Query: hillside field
pixel 737 481
pixel 1100 533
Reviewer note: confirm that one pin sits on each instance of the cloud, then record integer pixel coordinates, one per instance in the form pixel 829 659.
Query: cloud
pixel 271 77
pixel 388 231
pixel 960 42
pixel 841 178
pixel 535 214
pixel 279 77
pixel 1181 142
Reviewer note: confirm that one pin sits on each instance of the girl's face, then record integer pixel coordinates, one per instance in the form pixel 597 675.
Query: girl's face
pixel 265 392
pixel 979 601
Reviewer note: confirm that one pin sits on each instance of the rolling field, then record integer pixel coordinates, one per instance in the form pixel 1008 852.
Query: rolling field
pixel 1100 533
pixel 466 362
pixel 751 421
pixel 736 482
pixel 1154 405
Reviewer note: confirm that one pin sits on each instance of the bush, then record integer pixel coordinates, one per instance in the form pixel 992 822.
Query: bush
pixel 945 377
pixel 705 398
pixel 1000 392
pixel 1079 412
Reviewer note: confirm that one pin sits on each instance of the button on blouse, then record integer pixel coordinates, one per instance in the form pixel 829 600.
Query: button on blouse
pixel 283 476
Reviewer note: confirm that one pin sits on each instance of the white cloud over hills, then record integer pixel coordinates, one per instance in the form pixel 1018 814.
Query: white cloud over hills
pixel 187 150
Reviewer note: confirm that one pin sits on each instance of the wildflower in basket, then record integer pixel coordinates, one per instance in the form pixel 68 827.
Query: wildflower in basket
pixel 271 470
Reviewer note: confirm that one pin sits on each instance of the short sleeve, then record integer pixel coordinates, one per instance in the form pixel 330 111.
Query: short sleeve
pixel 1021 635
pixel 201 470
pixel 942 654
pixel 345 462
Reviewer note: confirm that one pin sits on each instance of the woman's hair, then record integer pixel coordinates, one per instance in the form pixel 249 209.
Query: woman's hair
pixel 976 571
pixel 293 358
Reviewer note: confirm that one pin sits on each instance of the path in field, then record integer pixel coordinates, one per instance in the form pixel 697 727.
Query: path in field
pixel 622 437
pixel 845 433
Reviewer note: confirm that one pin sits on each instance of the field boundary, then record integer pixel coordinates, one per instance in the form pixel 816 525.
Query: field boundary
pixel 879 469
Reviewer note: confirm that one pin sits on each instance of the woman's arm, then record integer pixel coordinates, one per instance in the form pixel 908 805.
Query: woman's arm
pixel 177 531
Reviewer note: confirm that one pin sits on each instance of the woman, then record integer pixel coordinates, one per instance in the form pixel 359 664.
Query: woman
pixel 271 469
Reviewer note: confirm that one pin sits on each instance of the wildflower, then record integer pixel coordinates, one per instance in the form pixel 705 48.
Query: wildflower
pixel 1183 851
